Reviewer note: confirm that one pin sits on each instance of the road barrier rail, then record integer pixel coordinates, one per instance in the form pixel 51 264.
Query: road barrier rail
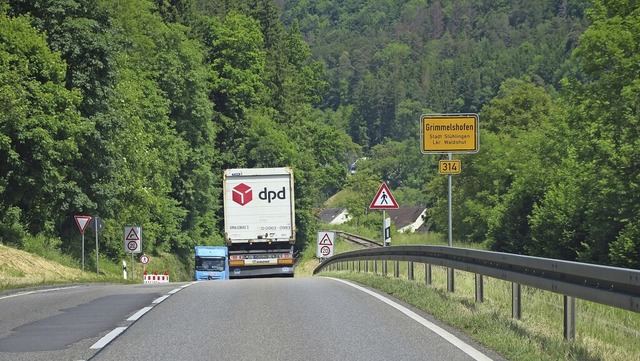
pixel 612 286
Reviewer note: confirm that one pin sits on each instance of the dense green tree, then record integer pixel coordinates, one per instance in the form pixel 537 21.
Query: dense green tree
pixel 604 115
pixel 499 186
pixel 79 31
pixel 40 133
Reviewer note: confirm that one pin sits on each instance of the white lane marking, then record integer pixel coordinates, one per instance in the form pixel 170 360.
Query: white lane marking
pixel 158 300
pixel 38 291
pixel 108 338
pixel 477 355
pixel 189 284
pixel 118 330
pixel 139 314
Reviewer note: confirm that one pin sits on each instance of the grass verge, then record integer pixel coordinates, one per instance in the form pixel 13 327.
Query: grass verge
pixel 21 269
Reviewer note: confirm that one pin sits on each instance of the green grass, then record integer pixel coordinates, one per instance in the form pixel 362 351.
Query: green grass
pixel 41 264
pixel 602 332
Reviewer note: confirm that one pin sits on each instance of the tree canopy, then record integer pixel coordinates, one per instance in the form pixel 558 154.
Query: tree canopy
pixel 130 111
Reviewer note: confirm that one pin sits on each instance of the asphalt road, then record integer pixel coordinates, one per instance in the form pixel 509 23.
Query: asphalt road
pixel 266 319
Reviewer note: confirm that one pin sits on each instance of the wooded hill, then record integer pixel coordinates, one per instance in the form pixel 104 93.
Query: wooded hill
pixel 130 110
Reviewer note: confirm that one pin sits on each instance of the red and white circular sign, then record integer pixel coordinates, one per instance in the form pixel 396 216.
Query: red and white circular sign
pixel 144 259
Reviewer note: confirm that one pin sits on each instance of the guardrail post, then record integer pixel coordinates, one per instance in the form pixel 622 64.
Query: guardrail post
pixel 366 266
pixel 450 280
pixel 384 268
pixel 427 273
pixel 516 301
pixel 569 318
pixel 359 266
pixel 375 266
pixel 353 265
pixel 410 270
pixel 396 269
pixel 479 288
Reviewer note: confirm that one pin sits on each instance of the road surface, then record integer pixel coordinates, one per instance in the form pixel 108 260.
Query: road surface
pixel 307 319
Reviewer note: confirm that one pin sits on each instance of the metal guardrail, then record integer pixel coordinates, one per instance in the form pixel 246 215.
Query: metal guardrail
pixel 354 238
pixel 612 286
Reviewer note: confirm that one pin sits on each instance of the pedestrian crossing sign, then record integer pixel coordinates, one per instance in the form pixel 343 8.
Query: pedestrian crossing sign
pixel 383 199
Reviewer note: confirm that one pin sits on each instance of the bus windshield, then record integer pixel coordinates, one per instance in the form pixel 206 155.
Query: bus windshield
pixel 210 264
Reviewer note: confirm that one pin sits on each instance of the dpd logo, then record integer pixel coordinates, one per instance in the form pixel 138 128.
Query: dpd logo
pixel 242 194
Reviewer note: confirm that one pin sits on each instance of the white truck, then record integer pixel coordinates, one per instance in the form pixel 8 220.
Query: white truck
pixel 259 221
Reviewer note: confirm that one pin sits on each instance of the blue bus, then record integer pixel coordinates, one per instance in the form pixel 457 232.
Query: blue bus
pixel 211 263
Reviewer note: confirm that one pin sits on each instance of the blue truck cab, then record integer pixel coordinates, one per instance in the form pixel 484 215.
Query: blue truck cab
pixel 211 263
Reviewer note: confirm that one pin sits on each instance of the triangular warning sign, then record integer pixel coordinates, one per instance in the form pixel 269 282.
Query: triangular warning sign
pixel 132 236
pixel 326 240
pixel 81 222
pixel 383 199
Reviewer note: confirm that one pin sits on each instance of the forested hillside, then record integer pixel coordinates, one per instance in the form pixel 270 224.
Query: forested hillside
pixel 130 110
pixel 555 83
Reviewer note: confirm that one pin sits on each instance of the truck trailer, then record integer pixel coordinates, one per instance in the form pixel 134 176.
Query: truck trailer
pixel 211 263
pixel 259 221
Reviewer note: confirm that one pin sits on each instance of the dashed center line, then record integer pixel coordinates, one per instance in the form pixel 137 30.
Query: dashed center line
pixel 118 330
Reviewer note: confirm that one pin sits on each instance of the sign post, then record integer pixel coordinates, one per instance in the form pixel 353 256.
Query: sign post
pixel 81 222
pixel 144 259
pixel 450 167
pixel 447 134
pixel 132 243
pixel 326 240
pixel 384 200
pixel 96 224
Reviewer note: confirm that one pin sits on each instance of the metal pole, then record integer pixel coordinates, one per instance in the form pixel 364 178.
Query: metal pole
pixel 82 251
pixel 479 288
pixel 569 318
pixel 427 273
pixel 450 211
pixel 450 272
pixel 516 301
pixel 95 227
pixel 410 271
pixel 384 241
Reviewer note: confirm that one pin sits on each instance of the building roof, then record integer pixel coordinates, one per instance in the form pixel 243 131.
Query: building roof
pixel 405 216
pixel 327 215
